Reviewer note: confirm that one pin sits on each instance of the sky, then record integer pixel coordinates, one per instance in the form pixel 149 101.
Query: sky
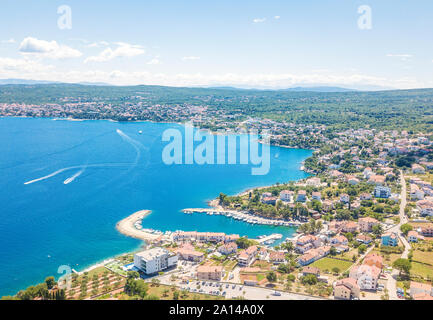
pixel 257 44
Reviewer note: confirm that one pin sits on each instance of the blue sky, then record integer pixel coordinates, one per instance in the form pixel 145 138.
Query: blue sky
pixel 201 43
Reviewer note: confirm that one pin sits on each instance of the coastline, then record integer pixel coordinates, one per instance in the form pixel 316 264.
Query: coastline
pixel 126 225
pixel 127 228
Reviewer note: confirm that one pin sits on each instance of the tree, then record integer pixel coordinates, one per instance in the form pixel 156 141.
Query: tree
pixel 362 248
pixel 377 230
pixel 271 276
pixel 336 270
pixel 291 278
pixel 403 265
pixel 50 282
pixel 175 295
pixel 133 275
pixel 310 279
pixel 405 228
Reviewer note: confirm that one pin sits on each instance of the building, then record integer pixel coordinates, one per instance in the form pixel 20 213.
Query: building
pixel 366 276
pixel 365 196
pixel 339 240
pixel 390 239
pixel 316 196
pixel 346 289
pixel 373 259
pixel 313 254
pixel 427 232
pixel 366 224
pixel 377 180
pixel 363 238
pixel 367 173
pixel 416 193
pixel 382 192
pixel 345 198
pixel 154 260
pixel 228 248
pixel 313 182
pixel 418 289
pixel 269 200
pixel 302 196
pixel 416 168
pixel 425 207
pixel 307 242
pixel 247 257
pixel 277 257
pixel 349 226
pixel 286 195
pixel 187 252
pixel 204 236
pixel 210 273
pixel 352 180
pixel 311 270
pixel 412 236
pixel 327 205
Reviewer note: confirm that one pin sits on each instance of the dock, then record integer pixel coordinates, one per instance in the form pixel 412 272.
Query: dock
pixel 269 239
pixel 243 216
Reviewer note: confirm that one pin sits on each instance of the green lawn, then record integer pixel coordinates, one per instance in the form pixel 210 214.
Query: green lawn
pixel 421 270
pixel 329 263
pixel 423 256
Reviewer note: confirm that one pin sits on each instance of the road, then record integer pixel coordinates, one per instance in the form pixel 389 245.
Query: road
pixel 232 290
pixel 392 278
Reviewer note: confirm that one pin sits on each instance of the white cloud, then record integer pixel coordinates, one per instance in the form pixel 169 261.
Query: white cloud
pixel 403 57
pixel 30 69
pixel 9 41
pixel 21 67
pixel 190 58
pixel 154 61
pixel 259 20
pixel 47 49
pixel 123 50
pixel 98 44
pixel 277 17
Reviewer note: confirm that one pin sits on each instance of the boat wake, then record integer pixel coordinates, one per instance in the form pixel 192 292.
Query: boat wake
pixel 76 175
pixel 135 144
pixel 82 167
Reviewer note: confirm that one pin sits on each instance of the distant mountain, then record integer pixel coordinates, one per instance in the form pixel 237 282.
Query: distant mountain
pixel 294 89
pixel 319 89
pixel 24 81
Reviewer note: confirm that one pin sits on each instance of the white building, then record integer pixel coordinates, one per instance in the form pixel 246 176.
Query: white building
pixel 382 192
pixel 154 260
pixel 286 195
pixel 366 276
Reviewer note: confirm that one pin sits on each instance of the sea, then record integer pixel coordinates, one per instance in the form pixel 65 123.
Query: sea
pixel 65 184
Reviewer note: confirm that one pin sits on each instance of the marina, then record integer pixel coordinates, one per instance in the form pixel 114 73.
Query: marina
pixel 243 216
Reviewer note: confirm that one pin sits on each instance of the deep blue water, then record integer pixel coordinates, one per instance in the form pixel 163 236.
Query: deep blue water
pixel 48 223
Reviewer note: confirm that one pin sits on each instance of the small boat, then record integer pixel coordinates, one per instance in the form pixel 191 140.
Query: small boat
pixel 140 132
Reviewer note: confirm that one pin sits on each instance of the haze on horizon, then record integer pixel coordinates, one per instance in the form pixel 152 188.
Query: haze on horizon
pixel 255 44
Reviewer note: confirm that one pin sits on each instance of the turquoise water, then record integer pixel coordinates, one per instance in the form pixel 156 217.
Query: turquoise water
pixel 47 223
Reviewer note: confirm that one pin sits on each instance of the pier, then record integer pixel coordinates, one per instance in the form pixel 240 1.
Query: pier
pixel 243 216
pixel 269 239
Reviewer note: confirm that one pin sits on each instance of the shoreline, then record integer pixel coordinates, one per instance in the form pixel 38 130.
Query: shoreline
pixel 127 227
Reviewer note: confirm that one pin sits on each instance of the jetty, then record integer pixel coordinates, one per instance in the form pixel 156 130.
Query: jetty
pixel 130 226
pixel 243 216
pixel 269 239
